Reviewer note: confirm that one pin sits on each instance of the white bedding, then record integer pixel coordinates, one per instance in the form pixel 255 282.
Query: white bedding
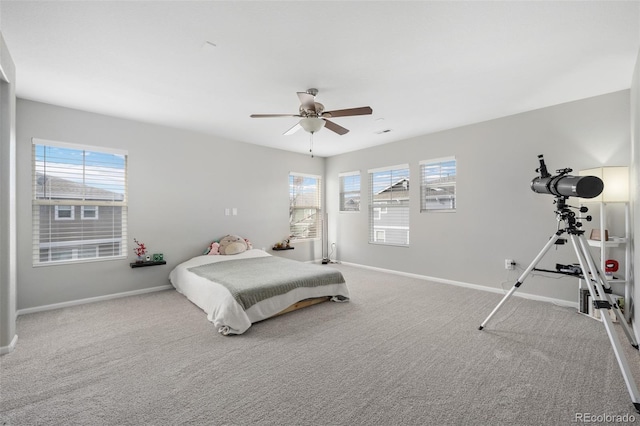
pixel 220 306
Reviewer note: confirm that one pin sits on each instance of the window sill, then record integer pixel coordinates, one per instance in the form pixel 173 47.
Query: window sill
pixel 78 261
pixel 438 211
pixel 388 244
pixel 304 240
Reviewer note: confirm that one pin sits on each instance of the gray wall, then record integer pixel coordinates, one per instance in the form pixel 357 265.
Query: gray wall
pixel 7 200
pixel 635 188
pixel 179 185
pixel 497 215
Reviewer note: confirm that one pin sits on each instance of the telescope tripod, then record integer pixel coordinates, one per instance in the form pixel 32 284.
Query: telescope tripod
pixel 597 285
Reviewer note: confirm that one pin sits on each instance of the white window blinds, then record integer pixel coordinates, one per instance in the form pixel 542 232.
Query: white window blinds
pixel 349 191
pixel 389 203
pixel 305 195
pixel 79 203
pixel 438 184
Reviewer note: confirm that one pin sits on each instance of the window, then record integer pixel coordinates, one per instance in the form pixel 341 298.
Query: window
pixel 79 203
pixel 438 184
pixel 65 212
pixel 349 192
pixel 89 212
pixel 305 194
pixel 389 205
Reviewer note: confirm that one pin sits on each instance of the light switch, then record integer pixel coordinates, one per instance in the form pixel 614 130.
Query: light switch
pixel 226 212
pixel 235 211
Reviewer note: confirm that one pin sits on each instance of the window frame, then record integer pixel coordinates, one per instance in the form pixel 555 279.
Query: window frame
pixel 450 183
pixel 343 194
pixel 317 223
pixel 398 174
pixel 84 176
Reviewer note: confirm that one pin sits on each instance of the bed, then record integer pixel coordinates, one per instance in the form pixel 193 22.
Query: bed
pixel 236 291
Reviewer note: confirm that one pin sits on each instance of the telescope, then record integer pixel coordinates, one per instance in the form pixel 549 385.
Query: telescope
pixel 565 185
pixel 562 186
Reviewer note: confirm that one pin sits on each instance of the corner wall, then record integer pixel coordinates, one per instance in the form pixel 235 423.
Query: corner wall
pixel 179 184
pixel 498 216
pixel 7 201
pixel 635 188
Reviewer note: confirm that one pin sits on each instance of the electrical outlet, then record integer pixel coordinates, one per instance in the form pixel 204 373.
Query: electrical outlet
pixel 509 264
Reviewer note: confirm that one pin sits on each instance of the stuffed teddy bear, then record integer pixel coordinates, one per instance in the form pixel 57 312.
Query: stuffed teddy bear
pixel 232 244
pixel 213 249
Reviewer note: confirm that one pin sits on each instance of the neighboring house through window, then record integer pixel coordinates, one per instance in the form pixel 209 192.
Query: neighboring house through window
pixel 349 191
pixel 389 205
pixel 305 195
pixel 438 184
pixel 79 203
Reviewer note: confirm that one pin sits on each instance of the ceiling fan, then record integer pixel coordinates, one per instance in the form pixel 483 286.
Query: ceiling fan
pixel 314 117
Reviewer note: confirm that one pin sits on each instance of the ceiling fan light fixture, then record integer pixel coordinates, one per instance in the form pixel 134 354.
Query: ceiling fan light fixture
pixel 312 124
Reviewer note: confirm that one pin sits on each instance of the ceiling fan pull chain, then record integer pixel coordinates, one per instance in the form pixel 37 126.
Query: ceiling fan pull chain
pixel 311 145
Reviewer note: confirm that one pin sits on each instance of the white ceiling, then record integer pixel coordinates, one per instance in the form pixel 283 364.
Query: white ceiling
pixel 422 66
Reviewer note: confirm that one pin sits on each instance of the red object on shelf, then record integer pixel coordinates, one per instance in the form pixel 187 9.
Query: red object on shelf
pixel 611 265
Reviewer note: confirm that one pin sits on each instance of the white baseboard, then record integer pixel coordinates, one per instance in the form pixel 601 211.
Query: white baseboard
pixel 6 349
pixel 91 300
pixel 469 285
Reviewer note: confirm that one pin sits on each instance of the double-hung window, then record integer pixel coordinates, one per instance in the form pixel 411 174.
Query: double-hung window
pixel 349 191
pixel 305 196
pixel 79 203
pixel 438 184
pixel 389 205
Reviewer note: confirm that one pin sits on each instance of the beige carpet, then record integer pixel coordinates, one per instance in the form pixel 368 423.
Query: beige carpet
pixel 402 352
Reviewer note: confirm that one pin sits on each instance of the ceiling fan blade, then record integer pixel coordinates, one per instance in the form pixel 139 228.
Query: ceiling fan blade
pixel 273 115
pixel 335 128
pixel 347 112
pixel 293 129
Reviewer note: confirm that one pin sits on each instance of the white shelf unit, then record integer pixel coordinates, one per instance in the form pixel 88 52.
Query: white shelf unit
pixel 623 276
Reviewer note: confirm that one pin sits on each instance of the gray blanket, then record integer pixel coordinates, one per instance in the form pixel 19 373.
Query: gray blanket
pixel 253 280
